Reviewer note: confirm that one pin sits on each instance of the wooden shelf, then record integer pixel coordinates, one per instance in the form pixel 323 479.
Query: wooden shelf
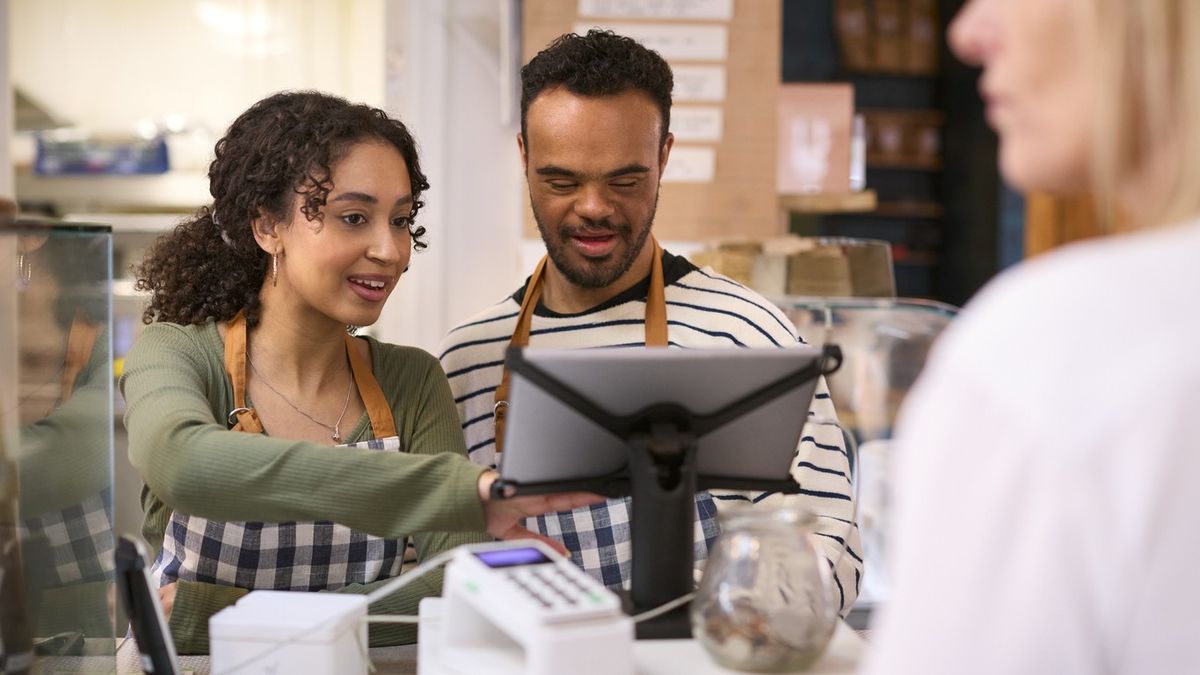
pixel 888 72
pixel 890 162
pixel 910 209
pixel 915 258
pixel 817 203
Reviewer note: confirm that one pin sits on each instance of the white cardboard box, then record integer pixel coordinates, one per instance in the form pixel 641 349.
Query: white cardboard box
pixel 290 632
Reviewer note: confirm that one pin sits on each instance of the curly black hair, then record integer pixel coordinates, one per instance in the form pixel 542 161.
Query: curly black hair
pixel 600 63
pixel 280 149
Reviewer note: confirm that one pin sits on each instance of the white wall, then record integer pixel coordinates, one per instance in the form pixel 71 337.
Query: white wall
pixel 8 248
pixel 447 79
pixel 105 65
pixel 435 63
pixel 444 82
pixel 6 102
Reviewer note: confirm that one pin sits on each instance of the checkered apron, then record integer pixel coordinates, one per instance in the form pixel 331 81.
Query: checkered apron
pixel 297 556
pixel 80 536
pixel 598 537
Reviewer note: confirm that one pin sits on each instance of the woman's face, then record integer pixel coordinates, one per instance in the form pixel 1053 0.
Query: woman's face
pixel 345 265
pixel 1039 93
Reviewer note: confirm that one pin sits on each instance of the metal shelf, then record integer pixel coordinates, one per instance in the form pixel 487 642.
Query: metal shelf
pixel 174 191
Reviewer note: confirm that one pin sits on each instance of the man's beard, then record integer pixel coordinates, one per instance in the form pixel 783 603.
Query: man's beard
pixel 593 273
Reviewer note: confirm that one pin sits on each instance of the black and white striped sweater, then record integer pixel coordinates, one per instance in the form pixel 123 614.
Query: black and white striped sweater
pixel 704 309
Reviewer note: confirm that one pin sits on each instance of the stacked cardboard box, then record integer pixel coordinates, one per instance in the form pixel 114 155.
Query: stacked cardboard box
pixel 806 266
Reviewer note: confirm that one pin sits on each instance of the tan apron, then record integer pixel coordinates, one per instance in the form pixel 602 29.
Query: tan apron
pixel 80 341
pixel 296 556
pixel 656 326
pixel 382 423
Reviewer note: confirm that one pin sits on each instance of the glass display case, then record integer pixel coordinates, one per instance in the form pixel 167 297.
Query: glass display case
pixel 885 343
pixel 56 447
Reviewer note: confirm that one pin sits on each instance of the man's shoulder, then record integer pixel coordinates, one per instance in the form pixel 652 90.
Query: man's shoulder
pixel 717 298
pixel 493 324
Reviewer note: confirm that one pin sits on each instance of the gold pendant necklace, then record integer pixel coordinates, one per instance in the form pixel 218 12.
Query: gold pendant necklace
pixel 335 429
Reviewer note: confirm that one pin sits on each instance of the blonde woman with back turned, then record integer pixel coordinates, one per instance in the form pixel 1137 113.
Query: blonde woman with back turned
pixel 1051 440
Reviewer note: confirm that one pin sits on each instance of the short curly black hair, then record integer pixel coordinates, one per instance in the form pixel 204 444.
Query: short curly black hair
pixel 280 149
pixel 600 63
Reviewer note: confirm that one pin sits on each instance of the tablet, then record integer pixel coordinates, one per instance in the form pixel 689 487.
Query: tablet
pixel 140 599
pixel 548 438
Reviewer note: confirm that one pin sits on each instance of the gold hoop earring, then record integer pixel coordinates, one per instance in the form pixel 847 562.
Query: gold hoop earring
pixel 24 268
pixel 274 270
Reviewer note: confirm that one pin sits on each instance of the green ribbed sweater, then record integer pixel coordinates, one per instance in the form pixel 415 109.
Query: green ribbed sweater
pixel 177 395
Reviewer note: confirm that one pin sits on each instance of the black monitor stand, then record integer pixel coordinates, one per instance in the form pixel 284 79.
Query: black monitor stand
pixel 662 479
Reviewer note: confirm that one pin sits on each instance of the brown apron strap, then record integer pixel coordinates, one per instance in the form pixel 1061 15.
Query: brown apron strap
pixel 656 302
pixel 520 338
pixel 80 341
pixel 383 424
pixel 533 293
pixel 656 327
pixel 235 367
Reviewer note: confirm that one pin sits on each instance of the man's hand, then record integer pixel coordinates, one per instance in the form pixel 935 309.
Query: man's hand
pixel 166 598
pixel 504 516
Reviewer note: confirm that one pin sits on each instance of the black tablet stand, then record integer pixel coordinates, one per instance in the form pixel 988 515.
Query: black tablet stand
pixel 662 479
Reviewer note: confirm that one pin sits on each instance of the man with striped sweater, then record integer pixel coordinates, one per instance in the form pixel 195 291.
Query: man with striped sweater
pixel 594 140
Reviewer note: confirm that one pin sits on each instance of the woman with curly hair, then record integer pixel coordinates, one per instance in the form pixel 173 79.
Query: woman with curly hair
pixel 247 376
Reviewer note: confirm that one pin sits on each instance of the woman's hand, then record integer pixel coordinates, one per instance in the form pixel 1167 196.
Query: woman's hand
pixel 166 598
pixel 504 516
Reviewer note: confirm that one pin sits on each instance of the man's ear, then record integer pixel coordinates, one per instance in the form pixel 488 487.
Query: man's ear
pixel 524 153
pixel 266 233
pixel 664 153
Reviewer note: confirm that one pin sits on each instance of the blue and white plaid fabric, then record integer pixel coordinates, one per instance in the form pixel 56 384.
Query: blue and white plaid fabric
pixel 80 539
pixel 277 556
pixel 599 540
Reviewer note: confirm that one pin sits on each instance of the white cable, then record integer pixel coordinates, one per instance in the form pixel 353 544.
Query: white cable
pixel 376 595
pixel 364 652
pixel 409 577
pixel 664 608
pixel 392 618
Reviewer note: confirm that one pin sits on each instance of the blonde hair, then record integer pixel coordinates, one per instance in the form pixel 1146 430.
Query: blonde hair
pixel 1148 84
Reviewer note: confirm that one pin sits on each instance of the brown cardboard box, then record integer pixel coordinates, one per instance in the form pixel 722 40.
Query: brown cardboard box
pixel 734 259
pixel 908 138
pixel 924 37
pixel 842 268
pixel 890 36
pixel 815 123
pixel 854 28
pixel 812 266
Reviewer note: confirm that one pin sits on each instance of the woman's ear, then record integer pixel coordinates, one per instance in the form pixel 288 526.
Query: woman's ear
pixel 266 233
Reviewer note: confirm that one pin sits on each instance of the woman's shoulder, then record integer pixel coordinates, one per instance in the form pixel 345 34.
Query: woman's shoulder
pixel 1091 287
pixel 400 363
pixel 200 340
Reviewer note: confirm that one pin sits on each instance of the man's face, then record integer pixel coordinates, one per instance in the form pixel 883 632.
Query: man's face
pixel 593 165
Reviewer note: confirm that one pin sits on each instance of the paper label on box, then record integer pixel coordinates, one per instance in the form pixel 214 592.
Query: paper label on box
pixel 696 123
pixel 699 83
pixel 691 164
pixel 717 10
pixel 682 42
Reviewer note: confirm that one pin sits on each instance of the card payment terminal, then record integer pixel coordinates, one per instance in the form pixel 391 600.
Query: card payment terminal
pixel 521 608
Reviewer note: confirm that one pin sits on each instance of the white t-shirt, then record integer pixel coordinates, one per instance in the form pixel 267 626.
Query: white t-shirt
pixel 1048 516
